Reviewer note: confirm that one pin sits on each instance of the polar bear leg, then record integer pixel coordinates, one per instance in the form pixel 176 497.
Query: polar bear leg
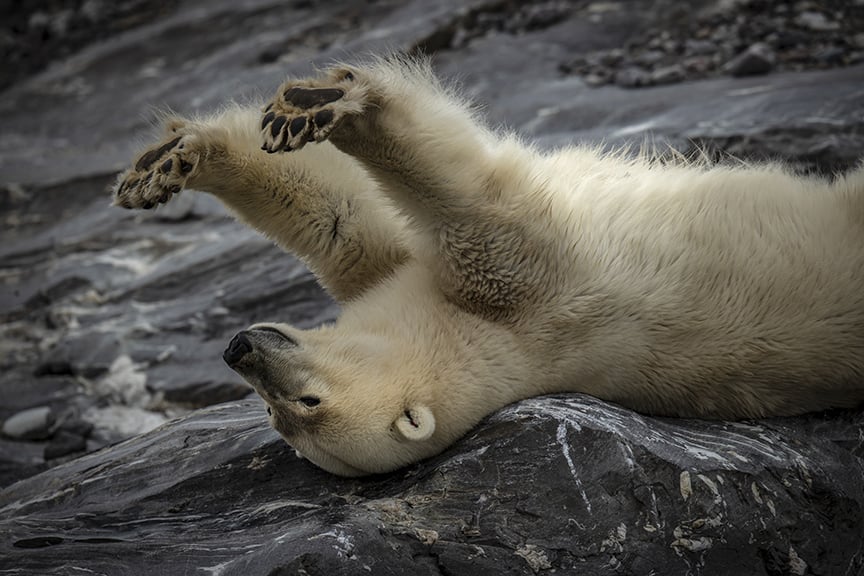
pixel 319 204
pixel 468 191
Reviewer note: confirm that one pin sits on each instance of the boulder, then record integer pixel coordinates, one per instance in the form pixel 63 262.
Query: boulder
pixel 565 484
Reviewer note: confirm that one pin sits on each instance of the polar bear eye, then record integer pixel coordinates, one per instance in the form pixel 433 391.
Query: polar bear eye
pixel 310 401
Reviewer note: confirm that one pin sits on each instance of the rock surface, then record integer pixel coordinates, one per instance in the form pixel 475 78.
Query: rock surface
pixel 116 321
pixel 565 483
pixel 702 39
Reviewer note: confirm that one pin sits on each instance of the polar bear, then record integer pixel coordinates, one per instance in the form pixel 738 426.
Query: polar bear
pixel 474 271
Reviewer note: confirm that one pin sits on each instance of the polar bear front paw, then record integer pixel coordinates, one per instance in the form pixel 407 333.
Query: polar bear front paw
pixel 159 173
pixel 309 110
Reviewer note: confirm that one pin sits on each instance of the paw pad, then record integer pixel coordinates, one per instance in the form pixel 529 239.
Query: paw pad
pixel 305 98
pixel 158 174
pixel 304 113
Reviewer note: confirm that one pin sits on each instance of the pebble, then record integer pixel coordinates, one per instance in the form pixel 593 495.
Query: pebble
pixel 699 47
pixel 668 74
pixel 30 424
pixel 760 38
pixel 816 21
pixel 757 59
pixel 632 77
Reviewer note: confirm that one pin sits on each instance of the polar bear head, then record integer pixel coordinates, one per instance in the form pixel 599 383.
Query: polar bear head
pixel 353 404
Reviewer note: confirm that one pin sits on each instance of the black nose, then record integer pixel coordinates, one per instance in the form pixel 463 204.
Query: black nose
pixel 237 349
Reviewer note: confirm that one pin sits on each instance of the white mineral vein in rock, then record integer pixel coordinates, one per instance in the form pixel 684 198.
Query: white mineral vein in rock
pixel 684 485
pixel 561 436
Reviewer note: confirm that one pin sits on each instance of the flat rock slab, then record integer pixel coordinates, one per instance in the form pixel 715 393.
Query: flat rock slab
pixel 565 483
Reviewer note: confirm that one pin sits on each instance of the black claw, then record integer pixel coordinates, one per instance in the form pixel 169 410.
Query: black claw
pixel 267 109
pixel 151 156
pixel 148 206
pixel 165 197
pixel 185 167
pixel 305 98
pixel 277 126
pixel 297 125
pixel 165 168
pixel 267 119
pixel 174 188
pixel 323 118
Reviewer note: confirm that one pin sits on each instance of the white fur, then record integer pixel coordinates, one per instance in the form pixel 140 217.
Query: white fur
pixel 475 271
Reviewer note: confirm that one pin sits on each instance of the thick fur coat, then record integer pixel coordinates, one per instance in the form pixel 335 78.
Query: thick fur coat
pixel 474 270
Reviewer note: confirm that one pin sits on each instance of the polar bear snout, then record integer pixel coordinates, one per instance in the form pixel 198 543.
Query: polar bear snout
pixel 255 339
pixel 239 347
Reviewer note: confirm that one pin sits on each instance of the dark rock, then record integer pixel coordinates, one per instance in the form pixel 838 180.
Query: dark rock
pixel 39 31
pixel 64 443
pixel 31 424
pixel 557 483
pixel 816 21
pixel 19 460
pixel 200 394
pixel 632 77
pixel 87 353
pixel 758 59
pixel 649 58
pixel 54 367
pixel 693 47
pixel 76 426
pixel 831 55
pixel 668 75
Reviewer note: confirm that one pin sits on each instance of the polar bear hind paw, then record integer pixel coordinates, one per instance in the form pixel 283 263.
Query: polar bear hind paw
pixel 309 110
pixel 159 173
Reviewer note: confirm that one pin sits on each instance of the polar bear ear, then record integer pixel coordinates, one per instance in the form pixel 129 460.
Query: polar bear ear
pixel 416 423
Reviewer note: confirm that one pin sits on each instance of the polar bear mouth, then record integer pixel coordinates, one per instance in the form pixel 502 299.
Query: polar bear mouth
pixel 324 459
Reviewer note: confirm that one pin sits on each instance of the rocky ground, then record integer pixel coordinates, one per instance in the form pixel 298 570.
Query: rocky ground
pixel 691 41
pixel 112 323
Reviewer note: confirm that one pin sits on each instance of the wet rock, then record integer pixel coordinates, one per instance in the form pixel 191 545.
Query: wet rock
pixel 757 59
pixel 31 424
pixel 568 483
